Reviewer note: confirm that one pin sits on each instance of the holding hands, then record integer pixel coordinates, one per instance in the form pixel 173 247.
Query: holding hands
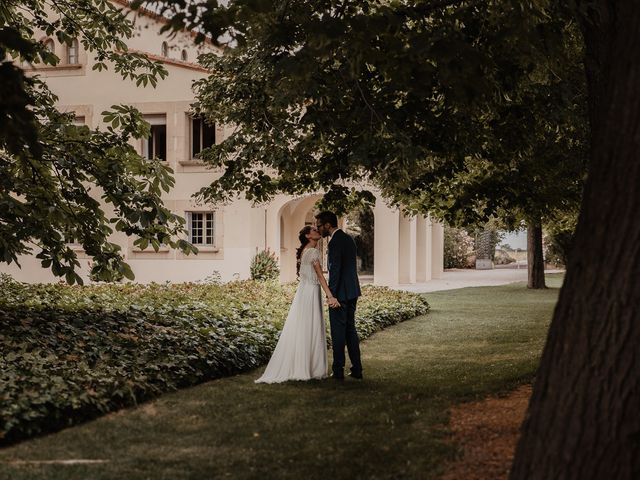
pixel 333 302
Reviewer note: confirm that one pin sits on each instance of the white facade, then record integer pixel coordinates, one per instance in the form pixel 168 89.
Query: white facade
pixel 407 250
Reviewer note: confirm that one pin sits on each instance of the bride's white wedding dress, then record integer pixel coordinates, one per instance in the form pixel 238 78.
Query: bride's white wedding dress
pixel 301 352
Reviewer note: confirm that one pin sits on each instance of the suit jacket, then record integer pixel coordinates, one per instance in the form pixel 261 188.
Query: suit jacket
pixel 343 274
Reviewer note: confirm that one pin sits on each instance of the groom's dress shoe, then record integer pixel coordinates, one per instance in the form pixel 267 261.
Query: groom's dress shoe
pixel 337 377
pixel 356 375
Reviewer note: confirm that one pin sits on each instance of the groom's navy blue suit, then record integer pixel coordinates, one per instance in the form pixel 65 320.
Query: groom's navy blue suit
pixel 344 285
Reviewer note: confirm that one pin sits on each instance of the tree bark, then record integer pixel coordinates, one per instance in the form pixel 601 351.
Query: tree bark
pixel 583 420
pixel 535 260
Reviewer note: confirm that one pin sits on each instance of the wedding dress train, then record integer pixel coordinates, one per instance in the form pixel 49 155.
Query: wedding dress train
pixel 301 352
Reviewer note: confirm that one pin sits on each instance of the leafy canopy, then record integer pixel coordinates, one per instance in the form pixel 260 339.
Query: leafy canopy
pixel 461 108
pixel 55 173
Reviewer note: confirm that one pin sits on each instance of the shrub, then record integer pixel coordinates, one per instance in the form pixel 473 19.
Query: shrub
pixel 458 248
pixel 502 257
pixel 70 353
pixel 557 247
pixel 264 266
pixel 558 240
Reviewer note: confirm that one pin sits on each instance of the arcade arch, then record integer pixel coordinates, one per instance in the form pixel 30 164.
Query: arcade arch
pixel 406 249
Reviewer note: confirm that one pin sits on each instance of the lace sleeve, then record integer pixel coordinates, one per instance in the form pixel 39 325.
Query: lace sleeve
pixel 314 256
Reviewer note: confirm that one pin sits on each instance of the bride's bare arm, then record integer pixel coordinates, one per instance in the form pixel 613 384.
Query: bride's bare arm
pixel 323 283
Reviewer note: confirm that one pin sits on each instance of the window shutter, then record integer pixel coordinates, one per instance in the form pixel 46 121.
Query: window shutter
pixel 195 137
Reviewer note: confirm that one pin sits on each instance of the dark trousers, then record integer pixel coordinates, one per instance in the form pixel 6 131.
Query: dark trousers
pixel 343 332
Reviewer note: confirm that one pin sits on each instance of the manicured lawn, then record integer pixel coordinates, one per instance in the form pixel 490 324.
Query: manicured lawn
pixel 391 425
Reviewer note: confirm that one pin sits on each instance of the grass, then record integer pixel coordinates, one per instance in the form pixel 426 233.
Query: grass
pixel 475 341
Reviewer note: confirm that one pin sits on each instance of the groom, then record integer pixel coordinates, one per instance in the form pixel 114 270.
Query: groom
pixel 344 285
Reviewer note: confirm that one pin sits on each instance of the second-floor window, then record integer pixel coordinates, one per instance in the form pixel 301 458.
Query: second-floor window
pixel 69 237
pixel 72 53
pixel 184 56
pixel 49 45
pixel 201 227
pixel 203 135
pixel 165 49
pixel 155 146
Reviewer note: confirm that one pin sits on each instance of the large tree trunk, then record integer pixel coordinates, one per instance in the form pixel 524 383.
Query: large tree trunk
pixel 535 260
pixel 584 416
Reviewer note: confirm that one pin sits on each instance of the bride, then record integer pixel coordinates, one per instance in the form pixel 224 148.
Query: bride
pixel 301 352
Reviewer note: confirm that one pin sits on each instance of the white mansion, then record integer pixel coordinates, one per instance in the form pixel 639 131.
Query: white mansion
pixel 406 250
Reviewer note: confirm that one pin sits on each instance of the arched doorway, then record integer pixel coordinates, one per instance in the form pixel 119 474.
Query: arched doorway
pixel 393 248
pixel 292 217
pixel 297 213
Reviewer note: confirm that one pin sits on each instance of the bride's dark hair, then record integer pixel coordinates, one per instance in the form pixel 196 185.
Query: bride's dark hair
pixel 302 236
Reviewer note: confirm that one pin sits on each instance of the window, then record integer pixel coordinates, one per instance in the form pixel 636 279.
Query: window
pixel 203 135
pixel 201 227
pixel 79 121
pixel 165 49
pixel 69 237
pixel 156 145
pixel 72 53
pixel 184 56
pixel 49 45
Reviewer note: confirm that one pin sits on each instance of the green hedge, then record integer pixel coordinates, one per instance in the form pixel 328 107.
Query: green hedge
pixel 70 353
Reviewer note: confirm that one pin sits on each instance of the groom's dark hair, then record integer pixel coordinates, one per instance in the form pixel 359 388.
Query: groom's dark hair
pixel 328 217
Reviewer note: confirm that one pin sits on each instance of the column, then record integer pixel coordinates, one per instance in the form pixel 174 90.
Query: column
pixel 404 250
pixel 429 249
pixel 421 249
pixel 437 250
pixel 385 247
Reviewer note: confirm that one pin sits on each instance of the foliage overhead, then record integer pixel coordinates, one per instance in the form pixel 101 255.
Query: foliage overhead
pixel 460 108
pixel 54 172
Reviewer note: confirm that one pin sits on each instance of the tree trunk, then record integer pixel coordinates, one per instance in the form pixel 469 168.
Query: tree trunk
pixel 535 260
pixel 584 416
